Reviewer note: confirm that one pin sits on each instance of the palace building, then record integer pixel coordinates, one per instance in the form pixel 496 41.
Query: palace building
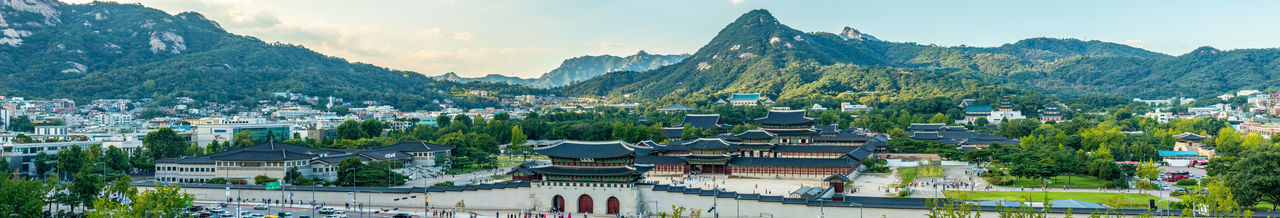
pixel 788 145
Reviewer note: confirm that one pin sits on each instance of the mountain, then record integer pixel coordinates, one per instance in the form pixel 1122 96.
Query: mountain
pixel 491 78
pixel 579 69
pixel 107 50
pixel 848 33
pixel 1050 48
pixel 757 54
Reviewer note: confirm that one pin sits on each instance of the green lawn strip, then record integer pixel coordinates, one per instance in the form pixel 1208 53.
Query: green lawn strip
pixel 908 174
pixel 929 171
pixel 1077 181
pixel 1122 199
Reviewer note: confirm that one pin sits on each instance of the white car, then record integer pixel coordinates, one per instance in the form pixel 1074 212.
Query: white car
pixel 327 210
pixel 261 207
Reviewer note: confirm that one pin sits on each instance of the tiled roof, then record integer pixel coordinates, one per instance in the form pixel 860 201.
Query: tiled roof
pixel 785 117
pixel 755 134
pixel 584 171
pixel 793 162
pixel 708 143
pixel 581 149
pixel 703 121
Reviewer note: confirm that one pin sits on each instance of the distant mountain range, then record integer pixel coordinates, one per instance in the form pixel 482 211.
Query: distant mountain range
pixel 758 54
pixel 579 69
pixel 49 49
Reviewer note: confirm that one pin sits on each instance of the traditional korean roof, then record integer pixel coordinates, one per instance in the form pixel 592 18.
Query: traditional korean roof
pixel 202 159
pixel 673 132
pixel 276 146
pixel 676 107
pixel 259 155
pixel 651 159
pixel 815 148
pixel 793 162
pixel 708 144
pixel 978 108
pixel 703 121
pixel 700 158
pixel 858 155
pixel 785 117
pixel 926 126
pixel 335 159
pixel 837 176
pixel 585 171
pixel 581 149
pixel 745 97
pixel 827 129
pixel 925 136
pixel 385 155
pixel 842 138
pixel 792 132
pixel 1189 136
pixel 755 135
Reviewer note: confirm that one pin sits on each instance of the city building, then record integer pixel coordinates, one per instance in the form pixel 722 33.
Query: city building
pixel 225 132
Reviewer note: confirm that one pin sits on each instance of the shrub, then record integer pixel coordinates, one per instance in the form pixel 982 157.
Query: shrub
pixel 216 180
pixel 445 183
pixel 1186 182
pixel 904 193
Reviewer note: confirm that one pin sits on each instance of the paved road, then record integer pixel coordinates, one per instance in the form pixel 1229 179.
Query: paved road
pixel 461 179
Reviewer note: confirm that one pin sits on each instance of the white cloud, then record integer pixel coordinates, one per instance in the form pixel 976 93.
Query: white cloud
pixel 736 1
pixel 464 36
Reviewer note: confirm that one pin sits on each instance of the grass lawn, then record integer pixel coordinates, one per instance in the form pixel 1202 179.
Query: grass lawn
pixel 929 171
pixel 500 177
pixel 907 174
pixel 1122 200
pixel 1077 181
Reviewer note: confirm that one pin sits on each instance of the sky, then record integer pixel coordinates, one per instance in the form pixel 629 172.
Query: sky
pixel 528 38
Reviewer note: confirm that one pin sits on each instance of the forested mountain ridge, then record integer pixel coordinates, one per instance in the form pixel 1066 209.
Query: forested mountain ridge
pixel 756 53
pixel 578 69
pixel 109 50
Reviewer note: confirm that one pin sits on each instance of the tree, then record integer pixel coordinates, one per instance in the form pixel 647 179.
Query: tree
pixel 141 160
pixel 164 143
pixel 70 160
pixel 351 130
pixel 42 163
pixel 213 147
pixel 443 120
pixel 371 127
pixel 244 138
pixel 690 133
pixel 347 170
pixel 1146 172
pixel 940 118
pixel 1256 176
pixel 292 176
pixel 163 201
pixel 462 119
pixel 1217 198
pixel 193 149
pixel 22 197
pixel 262 179
pixel 84 188
pixel 117 159
pixel 1018 128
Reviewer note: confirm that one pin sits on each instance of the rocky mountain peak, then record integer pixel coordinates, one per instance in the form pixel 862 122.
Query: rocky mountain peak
pixel 849 33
